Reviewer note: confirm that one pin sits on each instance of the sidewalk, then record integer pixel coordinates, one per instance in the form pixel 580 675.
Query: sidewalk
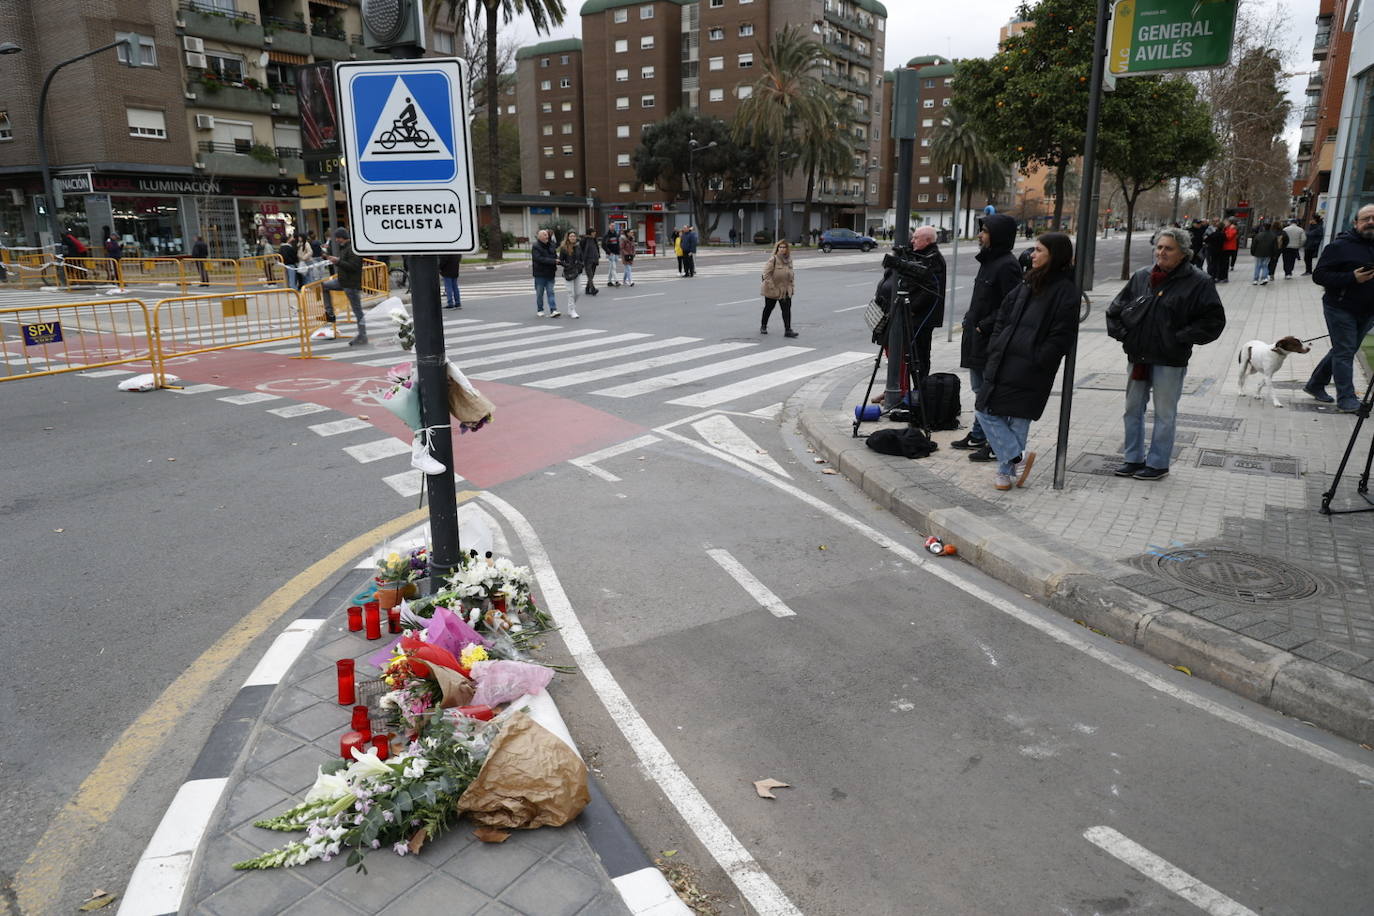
pixel 262 757
pixel 1225 567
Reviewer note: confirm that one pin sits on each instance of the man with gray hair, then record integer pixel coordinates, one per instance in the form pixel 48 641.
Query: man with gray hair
pixel 910 329
pixel 1164 310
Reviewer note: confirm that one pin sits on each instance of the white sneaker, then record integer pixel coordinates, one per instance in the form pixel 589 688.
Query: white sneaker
pixel 555 314
pixel 422 460
pixel 573 314
pixel 540 313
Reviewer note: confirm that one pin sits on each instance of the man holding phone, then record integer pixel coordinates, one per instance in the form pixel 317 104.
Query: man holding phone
pixel 1345 270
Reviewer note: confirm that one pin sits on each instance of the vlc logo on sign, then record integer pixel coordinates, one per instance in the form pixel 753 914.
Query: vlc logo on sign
pixel 405 140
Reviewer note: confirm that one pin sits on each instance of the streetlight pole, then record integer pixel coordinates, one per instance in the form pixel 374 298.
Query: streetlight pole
pixel 692 147
pixel 55 227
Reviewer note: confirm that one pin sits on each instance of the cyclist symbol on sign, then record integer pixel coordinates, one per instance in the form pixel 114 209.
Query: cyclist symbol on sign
pixel 403 130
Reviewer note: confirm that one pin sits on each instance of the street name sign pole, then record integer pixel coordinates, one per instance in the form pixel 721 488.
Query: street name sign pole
pixel 404 127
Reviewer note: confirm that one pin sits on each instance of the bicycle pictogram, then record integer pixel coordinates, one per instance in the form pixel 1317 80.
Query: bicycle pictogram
pixel 403 130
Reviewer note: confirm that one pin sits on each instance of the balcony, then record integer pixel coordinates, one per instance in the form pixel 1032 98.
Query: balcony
pixel 1322 43
pixel 1309 114
pixel 287 35
pixel 289 158
pixel 847 83
pixel 213 92
pixel 328 43
pixel 847 52
pixel 240 159
pixel 205 21
pixel 854 25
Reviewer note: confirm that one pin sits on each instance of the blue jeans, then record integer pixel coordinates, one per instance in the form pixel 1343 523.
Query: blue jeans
pixel 1167 384
pixel 1007 436
pixel 1261 269
pixel 975 384
pixel 451 291
pixel 1347 331
pixel 355 300
pixel 543 289
pixel 612 267
pixel 629 273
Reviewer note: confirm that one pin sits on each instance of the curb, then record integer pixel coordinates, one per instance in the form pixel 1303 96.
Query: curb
pixel 158 884
pixel 1254 670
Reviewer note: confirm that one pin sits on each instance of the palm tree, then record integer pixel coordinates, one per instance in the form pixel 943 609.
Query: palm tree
pixel 544 15
pixel 957 142
pixel 787 96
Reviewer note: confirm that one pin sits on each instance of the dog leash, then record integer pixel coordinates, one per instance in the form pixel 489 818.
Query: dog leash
pixel 1310 339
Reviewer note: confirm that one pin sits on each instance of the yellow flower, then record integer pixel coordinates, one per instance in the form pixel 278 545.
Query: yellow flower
pixel 473 652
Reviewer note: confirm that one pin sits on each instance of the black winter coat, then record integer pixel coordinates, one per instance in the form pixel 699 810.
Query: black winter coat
pixel 1029 339
pixel 1313 239
pixel 591 251
pixel 926 297
pixel 544 259
pixel 1160 326
pixel 1335 271
pixel 1264 245
pixel 998 274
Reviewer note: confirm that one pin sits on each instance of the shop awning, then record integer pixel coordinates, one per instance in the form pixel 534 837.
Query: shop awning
pixel 282 57
pixel 337 4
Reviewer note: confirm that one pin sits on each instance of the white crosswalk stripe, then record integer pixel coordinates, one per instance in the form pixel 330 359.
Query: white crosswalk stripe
pixel 493 374
pixel 725 394
pixel 673 379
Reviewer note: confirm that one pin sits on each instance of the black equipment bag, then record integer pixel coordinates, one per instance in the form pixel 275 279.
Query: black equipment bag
pixel 909 442
pixel 940 397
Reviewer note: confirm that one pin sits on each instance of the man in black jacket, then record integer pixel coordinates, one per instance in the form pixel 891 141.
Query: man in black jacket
pixel 1345 270
pixel 998 274
pixel 1164 310
pixel 591 256
pixel 544 266
pixel 348 276
pixel 917 324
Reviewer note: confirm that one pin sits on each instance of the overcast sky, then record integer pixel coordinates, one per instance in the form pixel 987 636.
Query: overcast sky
pixel 968 28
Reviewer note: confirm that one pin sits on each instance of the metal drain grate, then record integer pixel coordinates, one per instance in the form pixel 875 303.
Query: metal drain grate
pixel 1116 381
pixel 1314 406
pixel 1204 421
pixel 1236 576
pixel 1100 465
pixel 1263 465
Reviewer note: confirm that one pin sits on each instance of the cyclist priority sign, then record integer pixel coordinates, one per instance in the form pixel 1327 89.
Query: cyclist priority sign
pixel 408 151
pixel 1151 36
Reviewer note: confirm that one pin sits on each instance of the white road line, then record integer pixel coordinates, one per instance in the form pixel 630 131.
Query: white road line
pixel 596 375
pixel 589 461
pixel 335 427
pixel 199 389
pixel 298 410
pixel 644 296
pixel 852 308
pixel 104 373
pixel 252 397
pixel 283 652
pixel 865 283
pixel 159 880
pixel 718 396
pixel 673 379
pixel 410 483
pixel 600 356
pixel 377 449
pixel 658 764
pixel 1202 896
pixel 739 301
pixel 720 431
pixel 948 573
pixel 771 411
pixel 545 351
pixel 760 592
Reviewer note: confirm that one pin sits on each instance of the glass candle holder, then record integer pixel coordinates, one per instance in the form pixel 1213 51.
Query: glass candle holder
pixel 393 620
pixel 347 693
pixel 355 619
pixel 350 740
pixel 372 617
pixel 360 719
pixel 382 745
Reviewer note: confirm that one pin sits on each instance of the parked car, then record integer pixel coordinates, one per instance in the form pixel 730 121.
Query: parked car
pixel 846 238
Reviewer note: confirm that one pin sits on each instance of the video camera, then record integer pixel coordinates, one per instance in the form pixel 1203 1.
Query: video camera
pixel 904 261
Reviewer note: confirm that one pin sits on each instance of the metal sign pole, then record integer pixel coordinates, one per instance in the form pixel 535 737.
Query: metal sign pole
pixel 954 256
pixel 431 370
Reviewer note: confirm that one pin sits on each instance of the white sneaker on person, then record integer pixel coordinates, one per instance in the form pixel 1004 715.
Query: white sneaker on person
pixel 572 313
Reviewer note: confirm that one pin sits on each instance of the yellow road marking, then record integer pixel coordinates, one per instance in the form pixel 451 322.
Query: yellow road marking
pixel 39 882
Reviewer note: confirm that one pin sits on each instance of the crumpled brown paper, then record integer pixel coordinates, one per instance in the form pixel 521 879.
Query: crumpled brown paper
pixel 530 779
pixel 457 690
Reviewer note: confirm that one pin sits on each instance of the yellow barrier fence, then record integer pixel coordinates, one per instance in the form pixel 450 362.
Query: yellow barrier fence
pixel 90 271
pixel 50 339
pixel 154 271
pixel 314 315
pixel 184 325
pixel 29 270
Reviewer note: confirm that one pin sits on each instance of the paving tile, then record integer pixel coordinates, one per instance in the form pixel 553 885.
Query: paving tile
pixel 314 722
pixel 269 744
pixel 256 893
pixel 551 888
pixel 295 772
pixel 216 863
pixel 440 894
pixel 250 798
pixel 489 867
pixel 1342 660
pixel 1264 630
pixel 388 876
pixel 323 903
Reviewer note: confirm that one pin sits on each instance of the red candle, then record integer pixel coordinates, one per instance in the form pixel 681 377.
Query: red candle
pixel 346 694
pixel 393 620
pixel 382 745
pixel 361 723
pixel 349 741
pixel 498 602
pixel 373 605
pixel 483 713
pixel 355 619
pixel 373 616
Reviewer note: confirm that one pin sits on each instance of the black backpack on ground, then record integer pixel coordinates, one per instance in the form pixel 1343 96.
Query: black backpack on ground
pixel 940 395
pixel 909 442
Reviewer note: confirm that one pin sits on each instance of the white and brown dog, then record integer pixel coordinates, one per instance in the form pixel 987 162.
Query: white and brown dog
pixel 1264 359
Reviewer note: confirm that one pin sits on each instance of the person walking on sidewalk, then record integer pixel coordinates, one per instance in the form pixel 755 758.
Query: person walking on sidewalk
pixel 1263 247
pixel 612 248
pixel 1344 271
pixel 627 255
pixel 1033 329
pixel 1163 311
pixel 450 266
pixel 544 266
pixel 1232 246
pixel 1311 243
pixel 200 251
pixel 998 274
pixel 591 256
pixel 348 276
pixel 570 259
pixel 1294 239
pixel 677 251
pixel 779 283
pixel 1218 258
pixel 688 239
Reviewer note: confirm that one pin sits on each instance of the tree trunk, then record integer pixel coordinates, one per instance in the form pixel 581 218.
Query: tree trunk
pixel 494 241
pixel 1060 174
pixel 1130 228
pixel 806 213
pixel 780 222
pixel 968 207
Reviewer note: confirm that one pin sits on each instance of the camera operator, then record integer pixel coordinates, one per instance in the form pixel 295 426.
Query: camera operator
pixel 919 272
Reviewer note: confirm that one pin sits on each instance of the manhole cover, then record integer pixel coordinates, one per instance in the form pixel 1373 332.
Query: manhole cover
pixel 1116 381
pixel 1266 465
pixel 1236 576
pixel 1101 465
pixel 1204 421
pixel 1314 406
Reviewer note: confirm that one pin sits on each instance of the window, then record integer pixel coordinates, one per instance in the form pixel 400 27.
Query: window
pixel 621 45
pixel 622 159
pixel 548 152
pixel 746 60
pixel 566 106
pixel 235 135
pixel 228 67
pixel 622 102
pixel 949 81
pixel 923 198
pixel 924 179
pixel 941 198
pixel 746 29
pixel 622 131
pixel 621 16
pixel 715 184
pixel 147 50
pixel 646 101
pixel 547 130
pixel 145 122
pixel 546 107
pixel 568 173
pixel 944 103
pixel 715 63
pixel 563 59
pixel 567 128
pixel 545 85
pixel 927 122
pixel 543 61
pixel 567 150
pixel 646 42
pixel 928 103
pixel 565 83
pixel 622 75
pixel 6 129
pixel 930 84
pixel 443 42
pixel 646 73
pixel 548 174
pixel 510 109
pixel 651 187
pixel 925 141
pixel 744 92
pixel 646 11
pixel 716 95
pixel 715 34
pixel 925 160
pixel 717 4
pixel 625 187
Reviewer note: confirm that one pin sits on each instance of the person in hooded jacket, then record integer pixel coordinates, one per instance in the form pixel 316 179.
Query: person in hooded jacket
pixel 1346 271
pixel 1035 326
pixel 1161 313
pixel 999 273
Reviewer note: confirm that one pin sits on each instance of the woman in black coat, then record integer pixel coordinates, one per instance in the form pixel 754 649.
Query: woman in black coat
pixel 1035 327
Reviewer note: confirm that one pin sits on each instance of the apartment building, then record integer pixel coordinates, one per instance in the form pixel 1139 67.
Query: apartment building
pixel 548 88
pixel 1351 182
pixel 931 199
pixel 1321 112
pixel 203 137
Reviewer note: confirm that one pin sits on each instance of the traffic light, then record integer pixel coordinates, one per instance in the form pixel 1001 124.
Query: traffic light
pixel 390 25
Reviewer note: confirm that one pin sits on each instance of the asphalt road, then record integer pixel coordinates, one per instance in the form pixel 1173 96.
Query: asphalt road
pixel 945 755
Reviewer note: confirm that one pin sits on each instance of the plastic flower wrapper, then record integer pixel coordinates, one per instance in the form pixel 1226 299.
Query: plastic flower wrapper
pixel 401 397
pixel 448 630
pixel 501 681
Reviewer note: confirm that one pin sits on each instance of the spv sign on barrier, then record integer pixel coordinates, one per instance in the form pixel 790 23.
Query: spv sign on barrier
pixel 1154 36
pixel 42 332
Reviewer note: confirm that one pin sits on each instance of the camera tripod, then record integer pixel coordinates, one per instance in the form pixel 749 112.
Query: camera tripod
pixel 1362 487
pixel 915 404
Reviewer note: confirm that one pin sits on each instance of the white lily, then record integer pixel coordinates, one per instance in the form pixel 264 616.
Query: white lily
pixel 367 765
pixel 327 786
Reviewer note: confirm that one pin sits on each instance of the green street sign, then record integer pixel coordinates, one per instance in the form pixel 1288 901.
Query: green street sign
pixel 1152 36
